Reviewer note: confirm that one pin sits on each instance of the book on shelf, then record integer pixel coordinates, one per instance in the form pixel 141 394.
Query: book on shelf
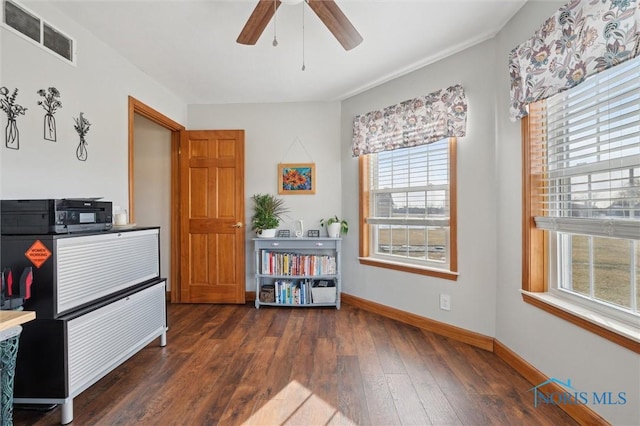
pixel 291 292
pixel 298 292
pixel 285 263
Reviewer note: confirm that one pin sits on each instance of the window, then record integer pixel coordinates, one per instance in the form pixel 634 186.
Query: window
pixel 408 183
pixel 582 195
pixel 27 24
pixel 408 209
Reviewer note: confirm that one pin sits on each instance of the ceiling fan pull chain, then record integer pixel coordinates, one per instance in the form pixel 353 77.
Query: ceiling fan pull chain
pixel 303 65
pixel 275 9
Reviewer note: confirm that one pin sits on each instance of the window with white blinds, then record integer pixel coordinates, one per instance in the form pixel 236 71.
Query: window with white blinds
pixel 585 189
pixel 591 155
pixel 409 211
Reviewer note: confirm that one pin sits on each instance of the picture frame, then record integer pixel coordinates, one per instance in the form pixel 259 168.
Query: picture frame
pixel 296 178
pixel 284 233
pixel 313 233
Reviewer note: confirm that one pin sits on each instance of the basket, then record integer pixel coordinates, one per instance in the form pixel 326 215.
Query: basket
pixel 323 291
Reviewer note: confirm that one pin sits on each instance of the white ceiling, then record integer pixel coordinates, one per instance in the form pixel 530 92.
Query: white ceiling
pixel 190 46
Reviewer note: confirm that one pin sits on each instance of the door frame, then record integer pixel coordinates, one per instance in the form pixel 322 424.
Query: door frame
pixel 137 107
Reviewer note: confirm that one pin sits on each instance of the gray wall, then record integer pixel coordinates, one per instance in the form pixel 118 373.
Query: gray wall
pixel 283 133
pixel 487 297
pixel 556 347
pixel 473 295
pixel 99 86
pixel 152 184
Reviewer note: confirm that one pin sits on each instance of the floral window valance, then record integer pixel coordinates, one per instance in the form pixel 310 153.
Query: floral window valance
pixel 414 122
pixel 583 38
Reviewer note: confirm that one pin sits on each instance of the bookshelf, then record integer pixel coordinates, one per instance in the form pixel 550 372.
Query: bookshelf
pixel 297 272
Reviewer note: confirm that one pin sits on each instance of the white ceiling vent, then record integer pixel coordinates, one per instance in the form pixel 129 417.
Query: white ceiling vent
pixel 19 19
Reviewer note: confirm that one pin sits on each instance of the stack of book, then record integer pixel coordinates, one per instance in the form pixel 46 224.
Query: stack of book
pixel 298 292
pixel 279 263
pixel 287 292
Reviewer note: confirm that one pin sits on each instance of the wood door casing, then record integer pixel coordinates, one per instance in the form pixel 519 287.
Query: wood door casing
pixel 212 216
pixel 137 107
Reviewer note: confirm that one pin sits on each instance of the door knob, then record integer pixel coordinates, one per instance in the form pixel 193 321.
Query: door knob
pixel 237 225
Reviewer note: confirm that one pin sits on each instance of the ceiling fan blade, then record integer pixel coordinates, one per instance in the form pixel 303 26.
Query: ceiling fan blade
pixel 336 21
pixel 257 22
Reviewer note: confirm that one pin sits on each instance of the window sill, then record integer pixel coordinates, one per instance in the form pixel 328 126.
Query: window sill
pixel 617 332
pixel 413 269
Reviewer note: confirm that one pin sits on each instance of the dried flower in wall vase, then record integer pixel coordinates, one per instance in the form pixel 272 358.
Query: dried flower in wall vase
pixel 82 127
pixel 50 104
pixel 13 110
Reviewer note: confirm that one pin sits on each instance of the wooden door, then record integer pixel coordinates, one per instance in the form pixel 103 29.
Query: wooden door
pixel 212 235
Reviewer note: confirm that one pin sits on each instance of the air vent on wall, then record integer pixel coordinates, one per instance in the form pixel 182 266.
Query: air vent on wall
pixel 26 23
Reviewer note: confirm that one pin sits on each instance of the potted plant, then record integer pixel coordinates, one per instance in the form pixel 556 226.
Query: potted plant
pixel 335 226
pixel 268 211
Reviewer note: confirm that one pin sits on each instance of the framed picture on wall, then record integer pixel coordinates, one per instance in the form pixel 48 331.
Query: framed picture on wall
pixel 296 178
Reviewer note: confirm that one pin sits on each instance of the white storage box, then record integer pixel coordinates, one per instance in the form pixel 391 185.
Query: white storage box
pixel 323 291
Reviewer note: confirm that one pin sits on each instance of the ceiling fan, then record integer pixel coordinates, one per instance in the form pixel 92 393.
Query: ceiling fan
pixel 327 10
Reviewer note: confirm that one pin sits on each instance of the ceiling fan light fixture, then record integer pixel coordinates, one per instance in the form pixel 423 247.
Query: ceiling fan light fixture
pixel 327 10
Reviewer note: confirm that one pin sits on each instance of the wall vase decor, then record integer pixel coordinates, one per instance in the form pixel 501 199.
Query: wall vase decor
pixel 50 104
pixel 12 134
pixel 82 127
pixel 81 151
pixel 50 127
pixel 13 110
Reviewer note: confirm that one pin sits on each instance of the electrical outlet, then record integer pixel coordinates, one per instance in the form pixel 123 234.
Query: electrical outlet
pixel 445 302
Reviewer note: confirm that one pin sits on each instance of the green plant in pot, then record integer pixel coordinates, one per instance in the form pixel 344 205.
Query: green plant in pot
pixel 268 211
pixel 335 226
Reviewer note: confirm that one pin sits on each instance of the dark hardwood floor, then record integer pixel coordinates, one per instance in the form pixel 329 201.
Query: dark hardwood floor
pixel 234 365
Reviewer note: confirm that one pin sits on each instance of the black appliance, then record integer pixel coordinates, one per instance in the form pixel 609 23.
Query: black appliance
pixel 54 216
